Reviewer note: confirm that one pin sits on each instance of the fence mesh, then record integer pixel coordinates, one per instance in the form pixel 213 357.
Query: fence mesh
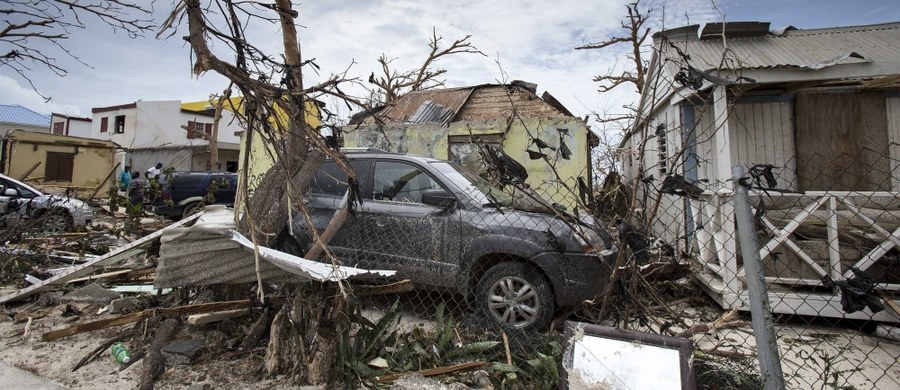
pixel 828 257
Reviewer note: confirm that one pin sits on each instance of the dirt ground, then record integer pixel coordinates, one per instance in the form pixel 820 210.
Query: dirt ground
pixel 55 359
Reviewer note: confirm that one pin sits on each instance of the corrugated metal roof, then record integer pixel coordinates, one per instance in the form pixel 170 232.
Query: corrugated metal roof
pixel 811 49
pixel 23 116
pixel 405 107
pixel 431 112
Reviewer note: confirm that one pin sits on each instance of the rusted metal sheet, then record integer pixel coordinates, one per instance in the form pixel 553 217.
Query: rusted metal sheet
pixel 404 108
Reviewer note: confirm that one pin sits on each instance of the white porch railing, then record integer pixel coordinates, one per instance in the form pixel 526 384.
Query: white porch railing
pixel 723 277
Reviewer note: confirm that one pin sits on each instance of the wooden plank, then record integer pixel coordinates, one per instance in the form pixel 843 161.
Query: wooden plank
pixel 28 172
pixel 834 247
pixel 876 253
pixel 86 268
pixel 722 142
pixel 782 234
pixel 135 317
pixel 100 276
pixel 106 179
pixel 206 318
pixel 433 371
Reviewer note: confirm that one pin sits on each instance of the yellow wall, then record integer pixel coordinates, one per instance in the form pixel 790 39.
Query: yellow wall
pixel 431 139
pixel 92 162
pixel 261 159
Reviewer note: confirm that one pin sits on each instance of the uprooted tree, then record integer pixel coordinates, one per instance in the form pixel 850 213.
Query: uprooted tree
pixel 274 108
pixel 36 32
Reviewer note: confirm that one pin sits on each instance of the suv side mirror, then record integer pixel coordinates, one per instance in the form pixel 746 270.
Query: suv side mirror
pixel 10 192
pixel 438 198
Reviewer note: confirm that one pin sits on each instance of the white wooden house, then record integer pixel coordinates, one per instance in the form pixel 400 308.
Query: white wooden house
pixel 823 107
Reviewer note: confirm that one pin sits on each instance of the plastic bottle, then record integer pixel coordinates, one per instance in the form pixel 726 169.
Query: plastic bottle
pixel 120 353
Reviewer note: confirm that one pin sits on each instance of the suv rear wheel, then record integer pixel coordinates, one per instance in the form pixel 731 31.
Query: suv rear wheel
pixel 189 209
pixel 515 295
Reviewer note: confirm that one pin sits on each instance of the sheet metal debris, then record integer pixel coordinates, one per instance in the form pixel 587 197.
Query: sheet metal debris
pixel 309 269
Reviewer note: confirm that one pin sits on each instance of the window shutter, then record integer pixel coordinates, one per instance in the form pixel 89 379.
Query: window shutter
pixel 104 124
pixel 59 166
pixel 191 129
pixel 59 128
pixel 208 129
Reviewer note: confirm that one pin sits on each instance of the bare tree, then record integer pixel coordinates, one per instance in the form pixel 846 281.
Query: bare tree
pixel 36 31
pixel 393 84
pixel 636 33
pixel 274 109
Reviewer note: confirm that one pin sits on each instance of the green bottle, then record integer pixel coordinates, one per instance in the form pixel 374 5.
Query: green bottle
pixel 120 353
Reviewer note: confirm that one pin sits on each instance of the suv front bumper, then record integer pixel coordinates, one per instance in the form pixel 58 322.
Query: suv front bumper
pixel 576 277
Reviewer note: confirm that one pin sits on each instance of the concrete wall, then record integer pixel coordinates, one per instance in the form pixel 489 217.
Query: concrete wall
pixel 91 163
pixel 434 140
pixel 158 124
pixel 8 127
pixel 260 153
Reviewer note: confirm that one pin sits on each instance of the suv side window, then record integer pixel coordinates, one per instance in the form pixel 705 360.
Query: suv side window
pixel 187 182
pixel 401 182
pixel 331 180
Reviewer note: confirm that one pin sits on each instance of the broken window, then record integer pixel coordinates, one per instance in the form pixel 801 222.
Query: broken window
pixel 198 129
pixel 59 166
pixel 662 149
pixel 59 128
pixel 104 124
pixel 401 182
pixel 120 124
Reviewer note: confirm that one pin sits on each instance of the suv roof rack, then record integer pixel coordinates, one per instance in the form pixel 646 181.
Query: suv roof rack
pixel 363 150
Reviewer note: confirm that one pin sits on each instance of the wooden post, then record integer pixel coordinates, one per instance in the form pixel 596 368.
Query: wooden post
pixel 106 179
pixel 28 172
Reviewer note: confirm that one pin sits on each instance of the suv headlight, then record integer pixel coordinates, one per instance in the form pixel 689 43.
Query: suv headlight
pixel 588 239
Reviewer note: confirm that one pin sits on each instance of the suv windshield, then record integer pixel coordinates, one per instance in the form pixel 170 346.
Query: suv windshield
pixel 479 189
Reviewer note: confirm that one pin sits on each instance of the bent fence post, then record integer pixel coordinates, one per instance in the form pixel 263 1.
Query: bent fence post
pixel 763 329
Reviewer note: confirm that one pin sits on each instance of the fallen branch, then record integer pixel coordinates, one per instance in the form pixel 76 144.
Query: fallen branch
pixel 433 371
pixel 135 317
pixel 99 350
pixel 155 363
pixel 259 329
pixel 722 322
pixel 506 348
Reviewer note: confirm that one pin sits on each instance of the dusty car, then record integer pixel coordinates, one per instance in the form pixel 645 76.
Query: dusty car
pixel 20 202
pixel 448 229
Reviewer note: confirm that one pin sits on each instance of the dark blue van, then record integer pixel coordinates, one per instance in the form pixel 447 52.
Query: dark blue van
pixel 183 192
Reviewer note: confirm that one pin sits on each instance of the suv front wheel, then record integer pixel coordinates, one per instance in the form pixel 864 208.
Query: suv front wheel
pixel 516 295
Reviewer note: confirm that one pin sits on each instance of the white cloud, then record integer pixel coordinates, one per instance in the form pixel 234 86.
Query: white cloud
pixel 13 93
pixel 534 41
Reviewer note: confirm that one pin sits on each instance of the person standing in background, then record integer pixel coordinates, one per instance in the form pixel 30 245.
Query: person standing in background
pixel 125 178
pixel 153 172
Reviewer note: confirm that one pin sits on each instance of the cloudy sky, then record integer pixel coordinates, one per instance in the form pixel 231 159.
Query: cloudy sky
pixel 529 40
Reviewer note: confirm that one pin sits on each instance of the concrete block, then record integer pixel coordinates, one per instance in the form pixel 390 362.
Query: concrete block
pixel 181 351
pixel 91 293
pixel 124 305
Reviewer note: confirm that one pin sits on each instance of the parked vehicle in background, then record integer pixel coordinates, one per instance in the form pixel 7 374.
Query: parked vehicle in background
pixel 183 192
pixel 448 229
pixel 20 202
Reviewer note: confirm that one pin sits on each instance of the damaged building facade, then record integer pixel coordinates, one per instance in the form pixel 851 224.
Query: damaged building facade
pixel 817 112
pixel 156 131
pixel 449 124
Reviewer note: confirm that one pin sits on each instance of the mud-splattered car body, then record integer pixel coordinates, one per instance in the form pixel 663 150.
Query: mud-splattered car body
pixel 445 228
pixel 20 202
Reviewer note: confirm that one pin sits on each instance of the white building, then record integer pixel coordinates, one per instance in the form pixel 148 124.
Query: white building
pixel 62 124
pixel 155 131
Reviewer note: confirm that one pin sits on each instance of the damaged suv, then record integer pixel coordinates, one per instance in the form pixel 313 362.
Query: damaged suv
pixel 20 202
pixel 445 228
